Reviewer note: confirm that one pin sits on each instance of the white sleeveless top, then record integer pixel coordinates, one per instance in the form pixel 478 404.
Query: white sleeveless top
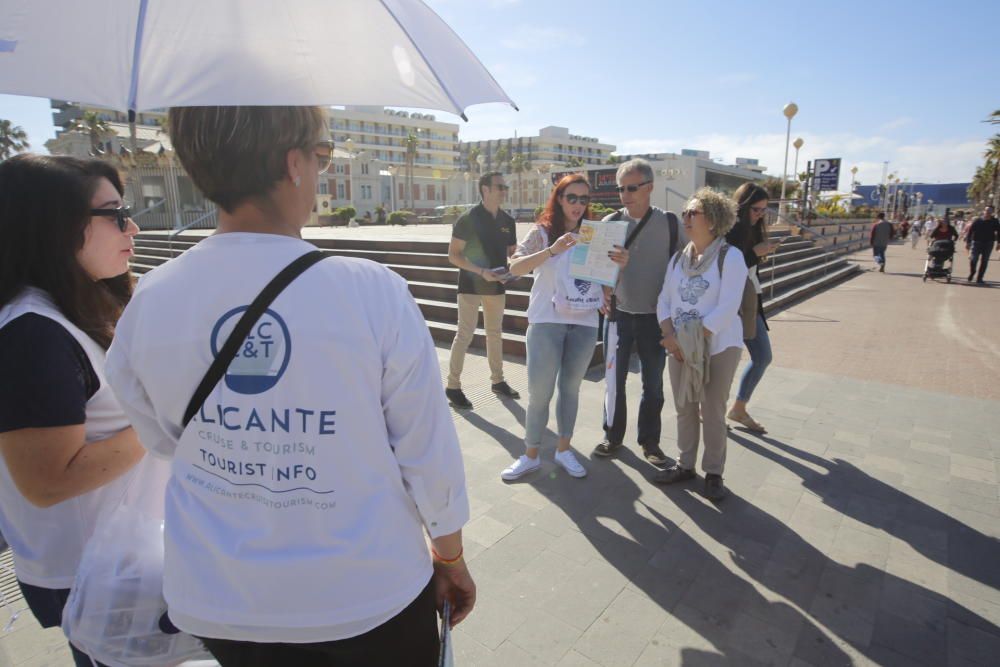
pixel 47 543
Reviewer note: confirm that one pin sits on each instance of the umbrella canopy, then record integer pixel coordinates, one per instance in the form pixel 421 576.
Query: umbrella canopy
pixel 140 55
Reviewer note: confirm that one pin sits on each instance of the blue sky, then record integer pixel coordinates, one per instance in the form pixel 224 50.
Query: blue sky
pixel 907 82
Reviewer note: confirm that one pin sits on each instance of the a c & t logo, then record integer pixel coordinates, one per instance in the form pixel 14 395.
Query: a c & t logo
pixel 262 357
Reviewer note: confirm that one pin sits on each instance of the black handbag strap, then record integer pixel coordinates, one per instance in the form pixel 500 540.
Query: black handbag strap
pixel 242 329
pixel 635 230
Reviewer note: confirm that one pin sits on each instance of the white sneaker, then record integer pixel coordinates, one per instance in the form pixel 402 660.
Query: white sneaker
pixel 520 468
pixel 568 461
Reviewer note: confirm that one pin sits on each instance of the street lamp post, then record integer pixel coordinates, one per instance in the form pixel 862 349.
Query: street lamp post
pixel 854 184
pixel 920 196
pixel 349 145
pixel 481 161
pixel 795 172
pixel 393 169
pixel 789 111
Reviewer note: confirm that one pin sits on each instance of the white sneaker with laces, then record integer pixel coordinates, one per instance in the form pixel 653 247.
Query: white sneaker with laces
pixel 520 468
pixel 568 461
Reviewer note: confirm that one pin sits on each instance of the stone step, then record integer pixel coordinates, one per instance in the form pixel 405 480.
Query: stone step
pixel 805 290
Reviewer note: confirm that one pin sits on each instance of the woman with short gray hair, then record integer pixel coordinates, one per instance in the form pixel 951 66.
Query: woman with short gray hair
pixel 703 335
pixel 304 483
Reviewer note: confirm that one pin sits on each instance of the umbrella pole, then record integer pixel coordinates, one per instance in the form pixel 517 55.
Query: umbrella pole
pixel 135 178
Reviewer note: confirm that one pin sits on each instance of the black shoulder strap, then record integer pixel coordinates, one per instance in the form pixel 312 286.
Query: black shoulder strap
pixel 239 334
pixel 637 228
pixel 673 224
pixel 722 256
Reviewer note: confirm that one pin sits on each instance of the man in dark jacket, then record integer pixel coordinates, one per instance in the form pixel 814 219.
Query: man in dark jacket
pixel 879 238
pixel 983 235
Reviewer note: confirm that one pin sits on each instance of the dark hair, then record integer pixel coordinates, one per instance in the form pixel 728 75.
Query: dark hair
pixel 746 196
pixel 44 212
pixel 486 180
pixel 552 219
pixel 234 154
pixel 880 216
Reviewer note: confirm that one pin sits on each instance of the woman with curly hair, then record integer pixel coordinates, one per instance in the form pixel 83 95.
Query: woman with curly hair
pixel 698 309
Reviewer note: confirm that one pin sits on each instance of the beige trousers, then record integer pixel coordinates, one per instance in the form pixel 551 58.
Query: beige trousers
pixel 722 369
pixel 468 316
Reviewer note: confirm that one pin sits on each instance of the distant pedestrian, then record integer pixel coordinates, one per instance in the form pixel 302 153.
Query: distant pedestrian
pixel 983 235
pixel 915 231
pixel 878 238
pixel 944 231
pixel 698 309
pixel 481 241
pixel 653 235
pixel 749 236
pixel 562 324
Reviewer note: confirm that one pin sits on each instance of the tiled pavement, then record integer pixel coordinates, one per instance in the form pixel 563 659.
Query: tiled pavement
pixel 863 529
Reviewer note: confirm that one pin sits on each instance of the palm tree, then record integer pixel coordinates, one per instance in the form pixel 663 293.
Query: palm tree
pixel 473 159
pixel 614 159
pixel 411 143
pixel 95 126
pixel 13 139
pixel 994 118
pixel 992 155
pixel 519 165
pixel 574 162
pixel 502 156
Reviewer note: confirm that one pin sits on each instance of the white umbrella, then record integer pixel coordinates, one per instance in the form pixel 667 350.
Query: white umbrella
pixel 139 55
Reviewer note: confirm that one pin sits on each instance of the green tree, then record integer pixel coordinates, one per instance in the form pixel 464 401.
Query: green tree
pixel 13 139
pixel 502 157
pixel 95 126
pixel 574 162
pixel 518 166
pixel 614 159
pixel 994 118
pixel 411 142
pixel 473 159
pixel 773 186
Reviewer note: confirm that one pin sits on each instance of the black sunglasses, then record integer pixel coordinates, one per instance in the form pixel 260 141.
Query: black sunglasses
pixel 326 158
pixel 631 188
pixel 501 187
pixel 122 215
pixel 577 199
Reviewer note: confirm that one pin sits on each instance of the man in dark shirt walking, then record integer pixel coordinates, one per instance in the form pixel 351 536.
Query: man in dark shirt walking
pixel 481 241
pixel 879 237
pixel 982 236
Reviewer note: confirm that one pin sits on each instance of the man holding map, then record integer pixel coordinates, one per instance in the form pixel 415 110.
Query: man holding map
pixel 654 235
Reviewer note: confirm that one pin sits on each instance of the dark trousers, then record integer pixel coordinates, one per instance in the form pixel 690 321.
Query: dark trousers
pixel 47 606
pixel 879 252
pixel 641 332
pixel 982 256
pixel 409 639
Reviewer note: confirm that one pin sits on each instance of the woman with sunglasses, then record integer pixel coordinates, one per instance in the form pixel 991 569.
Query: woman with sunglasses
pixel 698 309
pixel 749 236
pixel 306 484
pixel 562 324
pixel 66 444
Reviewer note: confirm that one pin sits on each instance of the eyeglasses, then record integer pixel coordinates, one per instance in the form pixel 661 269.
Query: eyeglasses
pixel 577 199
pixel 690 213
pixel 759 209
pixel 324 158
pixel 631 188
pixel 122 215
pixel 502 187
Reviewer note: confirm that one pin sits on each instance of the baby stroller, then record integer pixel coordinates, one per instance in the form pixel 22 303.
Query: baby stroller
pixel 940 256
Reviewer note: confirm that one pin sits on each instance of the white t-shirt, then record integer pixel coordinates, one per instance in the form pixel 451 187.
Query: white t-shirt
pixel 301 490
pixel 710 298
pixel 541 309
pixel 47 543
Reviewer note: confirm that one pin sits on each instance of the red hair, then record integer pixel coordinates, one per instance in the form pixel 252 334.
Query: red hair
pixel 552 219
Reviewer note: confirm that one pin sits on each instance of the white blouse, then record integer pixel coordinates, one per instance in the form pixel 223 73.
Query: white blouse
pixel 709 297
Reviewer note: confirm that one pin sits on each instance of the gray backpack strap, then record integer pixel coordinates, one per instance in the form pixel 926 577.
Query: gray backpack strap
pixel 673 225
pixel 722 256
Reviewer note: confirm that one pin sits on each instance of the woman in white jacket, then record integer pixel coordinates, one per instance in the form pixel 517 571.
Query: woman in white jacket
pixel 698 309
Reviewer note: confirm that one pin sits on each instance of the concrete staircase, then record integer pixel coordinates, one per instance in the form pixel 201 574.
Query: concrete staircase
pixel 800 267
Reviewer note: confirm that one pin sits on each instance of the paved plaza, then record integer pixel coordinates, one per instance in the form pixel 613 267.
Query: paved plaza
pixel 861 530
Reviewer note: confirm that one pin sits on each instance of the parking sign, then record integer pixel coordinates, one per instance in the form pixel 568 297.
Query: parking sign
pixel 827 174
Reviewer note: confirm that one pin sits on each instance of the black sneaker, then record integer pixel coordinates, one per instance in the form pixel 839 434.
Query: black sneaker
pixel 655 455
pixel 969 279
pixel 672 475
pixel 714 488
pixel 457 399
pixel 503 389
pixel 607 448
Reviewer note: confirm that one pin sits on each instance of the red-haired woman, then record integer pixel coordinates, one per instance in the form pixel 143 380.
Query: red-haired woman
pixel 562 323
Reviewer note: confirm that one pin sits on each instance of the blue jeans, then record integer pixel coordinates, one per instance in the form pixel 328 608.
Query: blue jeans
pixel 879 252
pixel 556 352
pixel 760 358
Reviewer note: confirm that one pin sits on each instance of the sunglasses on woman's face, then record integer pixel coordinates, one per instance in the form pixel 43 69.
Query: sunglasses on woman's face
pixel 577 199
pixel 121 215
pixel 631 188
pixel 324 155
pixel 758 209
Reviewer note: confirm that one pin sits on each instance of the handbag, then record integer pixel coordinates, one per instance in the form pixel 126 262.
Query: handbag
pixel 116 612
pixel 748 302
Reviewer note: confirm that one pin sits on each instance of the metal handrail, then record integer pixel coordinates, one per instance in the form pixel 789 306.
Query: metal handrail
pixel 174 232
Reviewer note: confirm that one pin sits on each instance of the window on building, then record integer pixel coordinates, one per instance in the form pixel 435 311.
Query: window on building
pixel 430 193
pixel 190 198
pixel 340 191
pixel 364 168
pixel 153 191
pixel 324 187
